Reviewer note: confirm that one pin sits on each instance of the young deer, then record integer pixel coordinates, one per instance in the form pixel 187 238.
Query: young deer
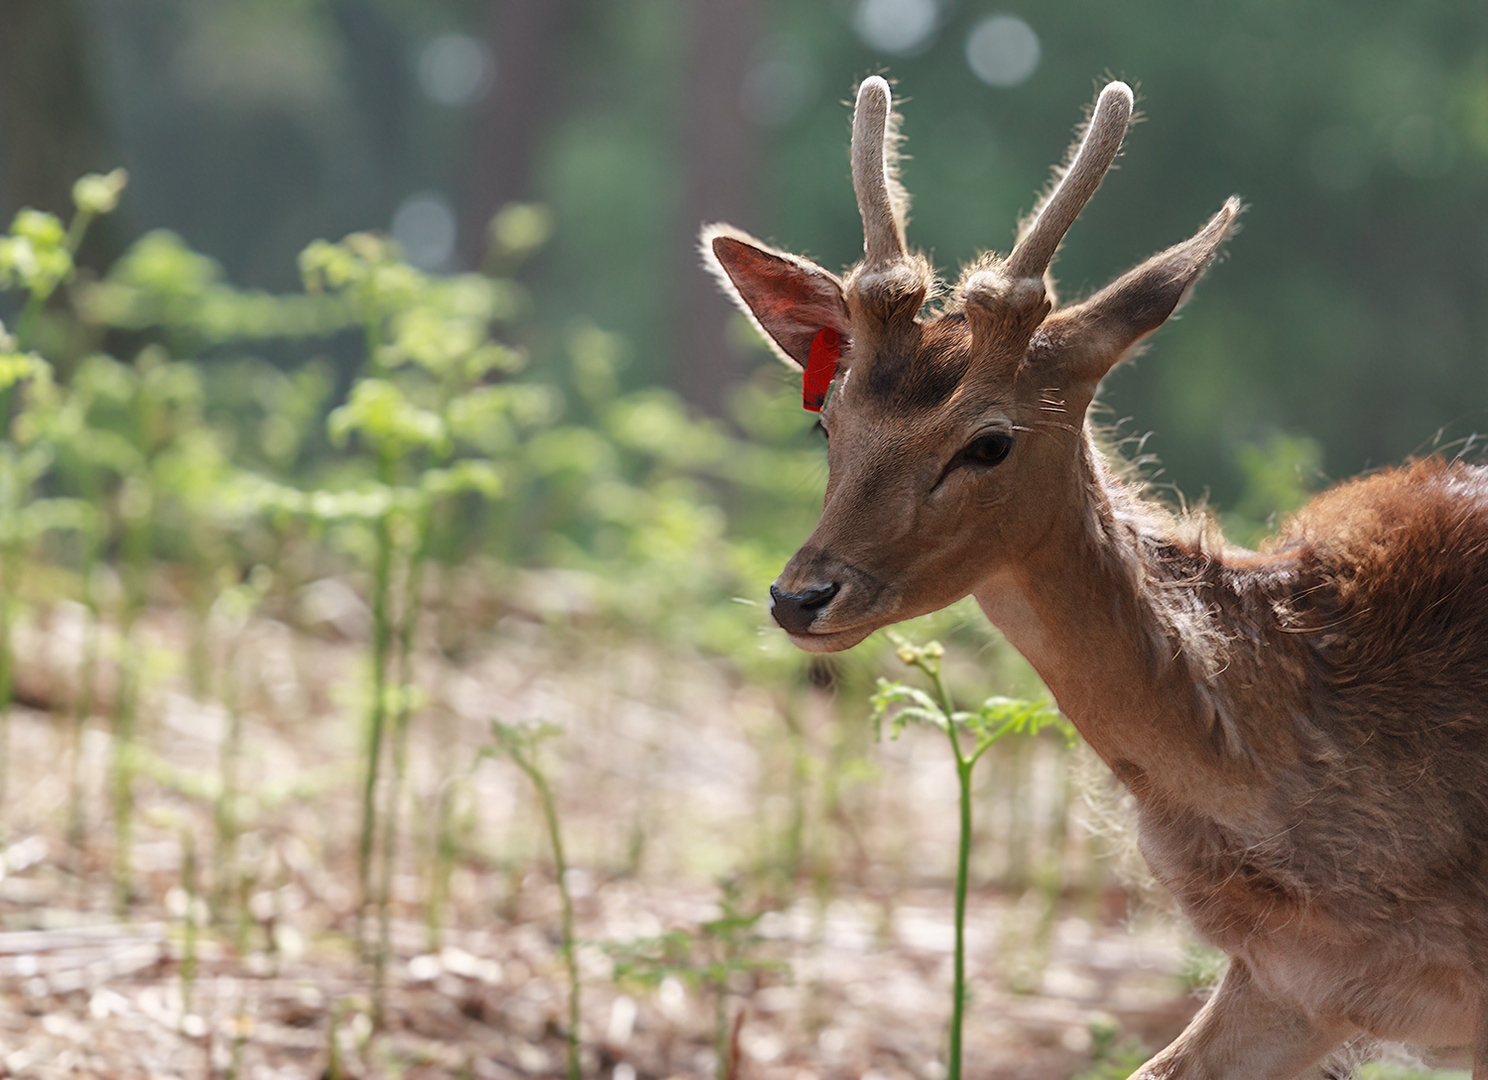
pixel 1304 728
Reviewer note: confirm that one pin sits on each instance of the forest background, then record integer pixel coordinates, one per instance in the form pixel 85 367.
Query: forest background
pixel 1354 132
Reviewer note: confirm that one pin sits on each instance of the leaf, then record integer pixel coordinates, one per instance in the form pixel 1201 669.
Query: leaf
pixel 60 515
pixel 522 737
pixel 482 477
pixel 42 229
pixel 1001 716
pixel 381 413
pixel 914 707
pixel 97 193
pixel 17 367
pixel 35 257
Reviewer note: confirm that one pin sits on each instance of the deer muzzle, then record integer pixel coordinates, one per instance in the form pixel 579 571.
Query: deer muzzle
pixel 826 604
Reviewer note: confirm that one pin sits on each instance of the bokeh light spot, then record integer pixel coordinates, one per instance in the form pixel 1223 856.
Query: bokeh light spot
pixel 1003 50
pixel 456 69
pixel 424 227
pixel 778 85
pixel 899 27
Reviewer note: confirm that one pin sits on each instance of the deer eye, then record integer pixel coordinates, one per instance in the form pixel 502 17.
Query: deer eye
pixel 987 450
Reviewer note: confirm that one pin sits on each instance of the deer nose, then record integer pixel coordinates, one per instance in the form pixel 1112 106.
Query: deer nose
pixel 796 611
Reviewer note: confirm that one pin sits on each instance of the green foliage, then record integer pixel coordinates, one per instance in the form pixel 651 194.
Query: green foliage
pixel 995 718
pixel 1380 1070
pixel 1280 475
pixel 161 283
pixel 1203 966
pixel 1111 1056
pixel 35 255
pixel 1348 308
pixel 519 744
pixel 94 194
pixel 710 959
pixel 707 958
pixel 519 229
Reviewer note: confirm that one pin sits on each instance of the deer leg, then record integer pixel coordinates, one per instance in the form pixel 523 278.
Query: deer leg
pixel 1241 1034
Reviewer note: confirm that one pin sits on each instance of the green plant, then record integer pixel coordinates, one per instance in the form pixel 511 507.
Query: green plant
pixel 188 922
pixel 454 821
pixel 1111 1056
pixel 1202 967
pixel 38 253
pixel 36 256
pixel 982 727
pixel 1383 1070
pixel 519 745
pixel 234 606
pixel 708 959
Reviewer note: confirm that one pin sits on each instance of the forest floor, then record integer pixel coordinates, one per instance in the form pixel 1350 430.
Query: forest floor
pixel 845 972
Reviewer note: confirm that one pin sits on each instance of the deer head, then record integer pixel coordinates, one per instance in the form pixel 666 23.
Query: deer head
pixel 956 443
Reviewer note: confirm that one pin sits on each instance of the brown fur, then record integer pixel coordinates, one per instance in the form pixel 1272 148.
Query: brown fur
pixel 1304 728
pixel 929 375
pixel 1353 661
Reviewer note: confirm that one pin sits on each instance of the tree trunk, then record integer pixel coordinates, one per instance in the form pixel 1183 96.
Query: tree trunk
pixel 50 126
pixel 527 40
pixel 718 150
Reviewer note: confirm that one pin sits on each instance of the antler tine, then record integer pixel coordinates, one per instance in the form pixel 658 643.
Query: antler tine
pixel 1035 248
pixel 883 239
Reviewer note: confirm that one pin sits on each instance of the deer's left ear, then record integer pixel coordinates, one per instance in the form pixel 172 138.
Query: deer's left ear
pixel 1087 339
pixel 789 298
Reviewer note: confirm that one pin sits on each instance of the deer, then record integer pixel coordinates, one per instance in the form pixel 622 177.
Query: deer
pixel 1303 727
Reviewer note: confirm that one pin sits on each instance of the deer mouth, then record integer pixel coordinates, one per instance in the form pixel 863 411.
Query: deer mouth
pixel 826 605
pixel 830 641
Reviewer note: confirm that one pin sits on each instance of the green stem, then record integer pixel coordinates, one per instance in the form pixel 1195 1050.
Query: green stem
pixel 381 635
pixel 381 638
pixel 135 550
pixel 10 579
pixel 963 863
pixel 720 1029
pixel 229 894
pixel 794 847
pixel 441 866
pixel 560 864
pixel 25 335
pixel 36 299
pixel 188 926
pixel 77 230
pixel 85 700
pixel 964 764
pixel 407 625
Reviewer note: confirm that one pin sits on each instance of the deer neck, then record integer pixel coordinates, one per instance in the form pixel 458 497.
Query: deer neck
pixel 1131 659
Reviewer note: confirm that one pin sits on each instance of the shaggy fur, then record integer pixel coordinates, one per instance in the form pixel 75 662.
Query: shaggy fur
pixel 1342 672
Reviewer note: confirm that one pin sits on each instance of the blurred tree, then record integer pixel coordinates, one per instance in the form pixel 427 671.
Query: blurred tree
pixel 718 163
pixel 531 42
pixel 51 127
pixel 380 80
pixel 1350 308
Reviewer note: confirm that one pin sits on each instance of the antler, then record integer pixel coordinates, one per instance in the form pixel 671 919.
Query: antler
pixel 1035 248
pixel 883 235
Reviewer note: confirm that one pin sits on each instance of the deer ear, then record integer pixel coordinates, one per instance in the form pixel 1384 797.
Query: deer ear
pixel 789 298
pixel 1087 339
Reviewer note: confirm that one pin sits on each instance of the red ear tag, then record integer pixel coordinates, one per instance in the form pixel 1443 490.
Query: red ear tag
pixel 821 366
